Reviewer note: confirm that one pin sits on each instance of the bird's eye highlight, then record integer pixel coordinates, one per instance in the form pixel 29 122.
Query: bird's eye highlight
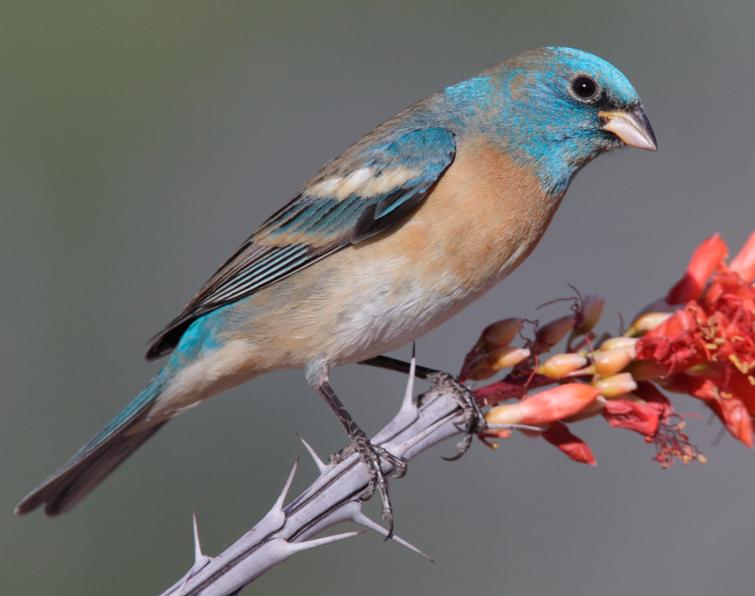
pixel 584 88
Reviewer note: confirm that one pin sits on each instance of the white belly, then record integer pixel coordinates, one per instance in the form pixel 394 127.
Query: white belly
pixel 378 322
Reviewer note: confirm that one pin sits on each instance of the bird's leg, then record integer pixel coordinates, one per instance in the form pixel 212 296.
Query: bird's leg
pixel 369 453
pixel 474 419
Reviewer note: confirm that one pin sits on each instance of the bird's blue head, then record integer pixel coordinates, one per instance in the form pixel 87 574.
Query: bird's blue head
pixel 555 109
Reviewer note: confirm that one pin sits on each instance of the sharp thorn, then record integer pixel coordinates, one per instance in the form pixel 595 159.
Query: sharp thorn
pixel 276 517
pixel 278 506
pixel 321 465
pixel 198 555
pixel 361 519
pixel 412 368
pixel 200 559
pixel 408 402
pixel 315 542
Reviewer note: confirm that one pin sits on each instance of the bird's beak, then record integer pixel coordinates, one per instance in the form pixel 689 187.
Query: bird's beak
pixel 631 126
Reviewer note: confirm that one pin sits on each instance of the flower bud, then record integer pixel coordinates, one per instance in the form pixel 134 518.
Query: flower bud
pixel 560 365
pixel 589 314
pixel 615 385
pixel 619 342
pixel 609 362
pixel 478 367
pixel 591 410
pixel 545 407
pixel 506 414
pixel 501 333
pixel 507 357
pixel 646 322
pixel 551 333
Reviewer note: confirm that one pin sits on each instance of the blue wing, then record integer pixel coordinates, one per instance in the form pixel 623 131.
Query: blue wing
pixel 367 190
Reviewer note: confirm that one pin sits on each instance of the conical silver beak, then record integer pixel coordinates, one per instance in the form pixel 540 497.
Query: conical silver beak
pixel 631 126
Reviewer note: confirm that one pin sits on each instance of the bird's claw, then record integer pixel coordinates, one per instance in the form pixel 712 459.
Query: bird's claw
pixel 372 455
pixel 473 420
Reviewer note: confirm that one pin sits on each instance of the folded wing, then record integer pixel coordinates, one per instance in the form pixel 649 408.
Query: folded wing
pixel 369 190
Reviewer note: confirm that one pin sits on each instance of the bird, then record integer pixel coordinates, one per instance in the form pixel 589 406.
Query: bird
pixel 408 226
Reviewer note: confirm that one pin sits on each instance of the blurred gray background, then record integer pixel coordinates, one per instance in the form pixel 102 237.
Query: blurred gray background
pixel 141 142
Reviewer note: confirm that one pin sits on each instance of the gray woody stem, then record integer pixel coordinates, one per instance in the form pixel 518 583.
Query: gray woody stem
pixel 332 498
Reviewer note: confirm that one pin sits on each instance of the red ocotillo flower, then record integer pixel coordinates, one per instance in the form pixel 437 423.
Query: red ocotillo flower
pixel 698 340
pixel 707 348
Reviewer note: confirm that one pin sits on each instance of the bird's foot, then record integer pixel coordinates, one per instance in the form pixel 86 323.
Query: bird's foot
pixel 373 456
pixel 473 420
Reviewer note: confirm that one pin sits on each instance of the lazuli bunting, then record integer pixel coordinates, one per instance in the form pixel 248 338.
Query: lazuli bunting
pixel 404 229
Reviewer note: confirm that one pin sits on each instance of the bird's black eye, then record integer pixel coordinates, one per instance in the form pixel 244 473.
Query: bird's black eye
pixel 584 88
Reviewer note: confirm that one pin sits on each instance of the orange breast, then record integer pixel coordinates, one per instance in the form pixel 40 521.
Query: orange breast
pixel 483 218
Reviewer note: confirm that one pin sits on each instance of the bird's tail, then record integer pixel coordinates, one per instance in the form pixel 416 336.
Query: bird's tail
pixel 95 460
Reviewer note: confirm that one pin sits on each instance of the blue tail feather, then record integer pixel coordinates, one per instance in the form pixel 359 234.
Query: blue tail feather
pixel 96 459
pixel 124 418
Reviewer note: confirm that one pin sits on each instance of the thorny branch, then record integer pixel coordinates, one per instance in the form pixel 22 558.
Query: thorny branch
pixel 334 497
